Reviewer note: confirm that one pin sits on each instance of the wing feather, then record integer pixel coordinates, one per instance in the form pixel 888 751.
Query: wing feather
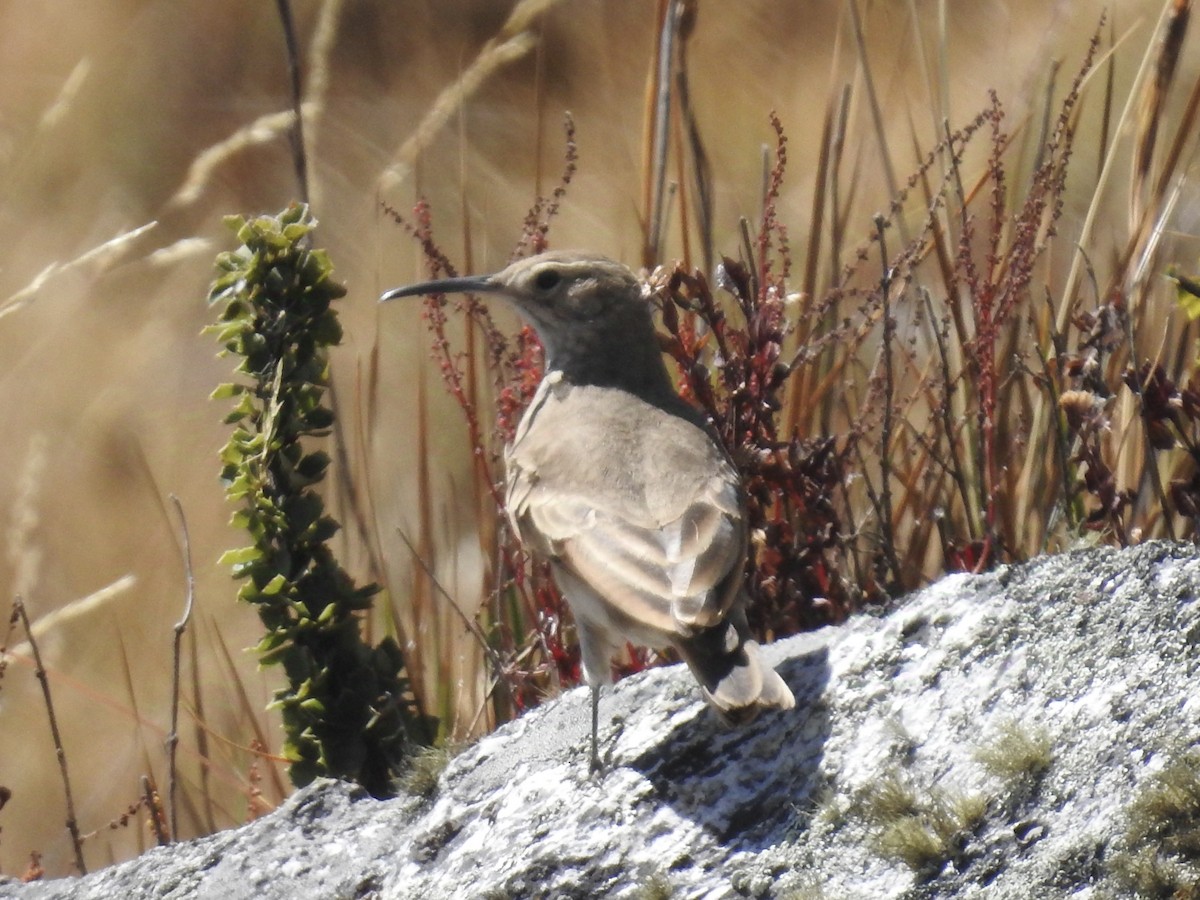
pixel 655 527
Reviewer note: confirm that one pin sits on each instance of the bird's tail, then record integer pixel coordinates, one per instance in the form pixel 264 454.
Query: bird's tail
pixel 725 661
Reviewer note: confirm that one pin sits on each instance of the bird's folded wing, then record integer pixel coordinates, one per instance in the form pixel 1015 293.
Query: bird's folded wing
pixel 675 576
pixel 639 502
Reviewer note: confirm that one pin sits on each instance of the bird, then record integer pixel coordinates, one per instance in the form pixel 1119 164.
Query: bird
pixel 623 486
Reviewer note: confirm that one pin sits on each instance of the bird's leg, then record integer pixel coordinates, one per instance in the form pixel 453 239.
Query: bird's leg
pixel 595 764
pixel 596 647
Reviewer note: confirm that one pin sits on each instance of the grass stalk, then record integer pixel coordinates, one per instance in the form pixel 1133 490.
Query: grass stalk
pixel 176 659
pixel 59 752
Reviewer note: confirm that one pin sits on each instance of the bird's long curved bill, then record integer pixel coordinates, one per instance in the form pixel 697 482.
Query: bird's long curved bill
pixel 471 284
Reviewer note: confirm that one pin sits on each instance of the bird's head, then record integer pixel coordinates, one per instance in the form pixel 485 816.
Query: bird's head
pixel 580 304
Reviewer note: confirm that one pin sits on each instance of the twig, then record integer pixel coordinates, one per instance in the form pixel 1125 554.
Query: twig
pixel 148 795
pixel 837 223
pixel 201 734
pixel 885 440
pixel 1109 81
pixel 1066 307
pixel 701 167
pixel 177 652
pixel 1061 451
pixel 1137 387
pixel 299 158
pixel 946 417
pixel 353 500
pixel 885 156
pixel 748 249
pixel 40 671
pixel 1045 136
pixel 471 625
pixel 8 633
pixel 662 116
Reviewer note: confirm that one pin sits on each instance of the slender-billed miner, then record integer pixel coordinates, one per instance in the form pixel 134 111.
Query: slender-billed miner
pixel 624 487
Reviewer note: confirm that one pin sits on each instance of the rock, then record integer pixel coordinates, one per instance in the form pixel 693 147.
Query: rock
pixel 991 736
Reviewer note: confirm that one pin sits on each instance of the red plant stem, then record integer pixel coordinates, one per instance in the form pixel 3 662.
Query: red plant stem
pixel 435 315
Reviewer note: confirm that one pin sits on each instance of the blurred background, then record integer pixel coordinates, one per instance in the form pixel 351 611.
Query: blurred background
pixel 129 128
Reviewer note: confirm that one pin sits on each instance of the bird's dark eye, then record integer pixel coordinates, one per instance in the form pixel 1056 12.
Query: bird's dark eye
pixel 547 280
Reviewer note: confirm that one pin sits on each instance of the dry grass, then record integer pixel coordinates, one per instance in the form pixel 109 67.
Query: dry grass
pixel 110 123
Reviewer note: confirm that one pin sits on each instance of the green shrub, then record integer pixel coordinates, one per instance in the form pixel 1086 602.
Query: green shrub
pixel 346 709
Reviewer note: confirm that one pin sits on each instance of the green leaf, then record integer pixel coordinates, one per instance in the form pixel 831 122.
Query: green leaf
pixel 240 555
pixel 1187 293
pixel 328 331
pixel 275 585
pixel 319 418
pixel 295 231
pixel 275 655
pixel 295 212
pixel 313 465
